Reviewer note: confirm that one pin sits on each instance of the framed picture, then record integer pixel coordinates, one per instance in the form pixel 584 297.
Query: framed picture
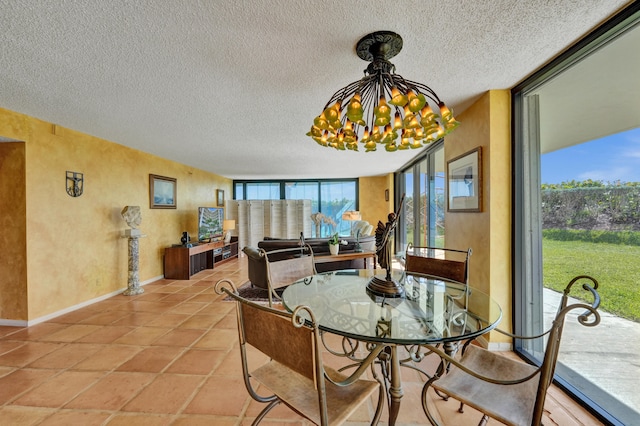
pixel 162 192
pixel 464 182
pixel 220 197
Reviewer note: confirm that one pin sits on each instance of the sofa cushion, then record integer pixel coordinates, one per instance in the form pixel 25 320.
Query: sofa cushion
pixel 363 226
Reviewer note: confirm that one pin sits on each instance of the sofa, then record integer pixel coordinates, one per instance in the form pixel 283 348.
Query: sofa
pixel 361 226
pixel 320 246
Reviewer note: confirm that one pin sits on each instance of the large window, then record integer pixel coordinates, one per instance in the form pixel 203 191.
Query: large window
pixel 331 197
pixel 577 192
pixel 422 219
pixel 256 191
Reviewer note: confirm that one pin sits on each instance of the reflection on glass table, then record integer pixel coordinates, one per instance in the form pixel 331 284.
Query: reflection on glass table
pixel 431 312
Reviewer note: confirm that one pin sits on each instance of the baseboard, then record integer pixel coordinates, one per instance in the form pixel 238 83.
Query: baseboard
pixel 494 346
pixel 13 323
pixel 500 346
pixel 25 323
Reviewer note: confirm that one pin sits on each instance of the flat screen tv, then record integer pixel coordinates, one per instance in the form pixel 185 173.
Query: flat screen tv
pixel 210 223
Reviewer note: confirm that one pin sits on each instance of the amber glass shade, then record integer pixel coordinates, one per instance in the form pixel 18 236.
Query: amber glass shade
pixel 382 107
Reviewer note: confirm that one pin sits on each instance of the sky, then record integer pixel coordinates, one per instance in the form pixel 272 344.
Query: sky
pixel 608 159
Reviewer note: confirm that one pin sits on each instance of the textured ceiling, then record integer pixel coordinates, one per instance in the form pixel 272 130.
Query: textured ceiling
pixel 232 87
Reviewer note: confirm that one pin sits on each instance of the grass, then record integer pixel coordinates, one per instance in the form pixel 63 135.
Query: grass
pixel 615 266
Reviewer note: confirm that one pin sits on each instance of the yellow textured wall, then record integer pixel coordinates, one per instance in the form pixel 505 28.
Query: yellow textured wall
pixel 13 245
pixel 501 207
pixel 75 249
pixel 486 124
pixel 371 198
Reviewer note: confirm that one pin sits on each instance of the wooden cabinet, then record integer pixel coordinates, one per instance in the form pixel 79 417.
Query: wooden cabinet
pixel 181 262
pixel 227 251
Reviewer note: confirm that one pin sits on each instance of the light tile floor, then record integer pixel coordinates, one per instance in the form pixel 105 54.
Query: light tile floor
pixel 167 357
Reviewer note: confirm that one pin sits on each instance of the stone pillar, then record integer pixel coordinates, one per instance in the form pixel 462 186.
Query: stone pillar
pixel 131 215
pixel 133 282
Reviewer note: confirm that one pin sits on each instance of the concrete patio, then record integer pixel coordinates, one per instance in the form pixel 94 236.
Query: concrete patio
pixel 606 355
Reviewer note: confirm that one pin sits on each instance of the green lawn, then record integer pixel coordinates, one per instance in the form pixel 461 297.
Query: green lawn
pixel 616 267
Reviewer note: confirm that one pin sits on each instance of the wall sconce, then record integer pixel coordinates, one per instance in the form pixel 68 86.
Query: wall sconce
pixel 74 183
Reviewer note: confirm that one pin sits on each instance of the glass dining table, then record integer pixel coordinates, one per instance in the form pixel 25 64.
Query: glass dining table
pixel 431 312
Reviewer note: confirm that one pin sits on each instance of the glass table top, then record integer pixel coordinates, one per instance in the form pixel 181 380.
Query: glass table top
pixel 431 311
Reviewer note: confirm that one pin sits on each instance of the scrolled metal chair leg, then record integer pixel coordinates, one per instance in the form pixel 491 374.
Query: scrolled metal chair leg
pixel 424 398
pixel 461 408
pixel 484 420
pixel 265 411
pixel 441 395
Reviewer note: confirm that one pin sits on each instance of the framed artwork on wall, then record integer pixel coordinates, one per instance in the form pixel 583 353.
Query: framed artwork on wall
pixel 464 182
pixel 220 197
pixel 162 192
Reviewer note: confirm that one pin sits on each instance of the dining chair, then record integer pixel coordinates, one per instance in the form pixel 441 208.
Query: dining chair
pixel 450 264
pixel 295 374
pixel 507 390
pixel 286 266
pixel 446 263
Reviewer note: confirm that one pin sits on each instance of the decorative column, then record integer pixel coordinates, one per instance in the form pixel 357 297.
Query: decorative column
pixel 133 281
pixel 131 215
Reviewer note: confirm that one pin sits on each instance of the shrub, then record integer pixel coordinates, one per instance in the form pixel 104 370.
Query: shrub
pixel 629 238
pixel 591 207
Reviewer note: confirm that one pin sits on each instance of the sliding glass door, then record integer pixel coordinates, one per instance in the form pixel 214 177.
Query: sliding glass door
pixel 577 198
pixel 422 218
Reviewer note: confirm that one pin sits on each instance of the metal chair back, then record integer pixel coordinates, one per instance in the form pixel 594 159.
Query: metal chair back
pixel 439 262
pixel 299 263
pixel 294 373
pixel 505 389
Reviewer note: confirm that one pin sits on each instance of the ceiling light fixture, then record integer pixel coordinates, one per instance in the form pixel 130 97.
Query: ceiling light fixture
pixel 382 107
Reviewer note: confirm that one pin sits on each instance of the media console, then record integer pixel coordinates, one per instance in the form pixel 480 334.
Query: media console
pixel 181 262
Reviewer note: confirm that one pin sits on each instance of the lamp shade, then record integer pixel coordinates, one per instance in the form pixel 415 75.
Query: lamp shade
pixel 228 224
pixel 351 215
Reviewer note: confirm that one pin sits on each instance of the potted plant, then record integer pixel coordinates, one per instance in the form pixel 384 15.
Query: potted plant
pixel 334 244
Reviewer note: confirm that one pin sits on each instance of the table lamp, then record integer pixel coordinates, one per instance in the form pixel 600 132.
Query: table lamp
pixel 227 226
pixel 351 215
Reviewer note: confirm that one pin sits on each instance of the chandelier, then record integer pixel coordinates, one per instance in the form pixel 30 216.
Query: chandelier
pixel 382 107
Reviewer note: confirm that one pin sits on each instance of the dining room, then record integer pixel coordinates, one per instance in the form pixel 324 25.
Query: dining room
pixel 170 356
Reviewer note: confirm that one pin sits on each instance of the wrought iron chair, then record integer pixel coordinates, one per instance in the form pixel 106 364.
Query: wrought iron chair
pixel 507 390
pixel 295 373
pixel 286 266
pixel 440 262
pixel 445 263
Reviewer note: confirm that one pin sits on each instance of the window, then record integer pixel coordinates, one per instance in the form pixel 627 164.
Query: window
pixel 332 197
pixel 260 191
pixel 303 191
pixel 422 219
pixel 571 119
pixel 337 198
